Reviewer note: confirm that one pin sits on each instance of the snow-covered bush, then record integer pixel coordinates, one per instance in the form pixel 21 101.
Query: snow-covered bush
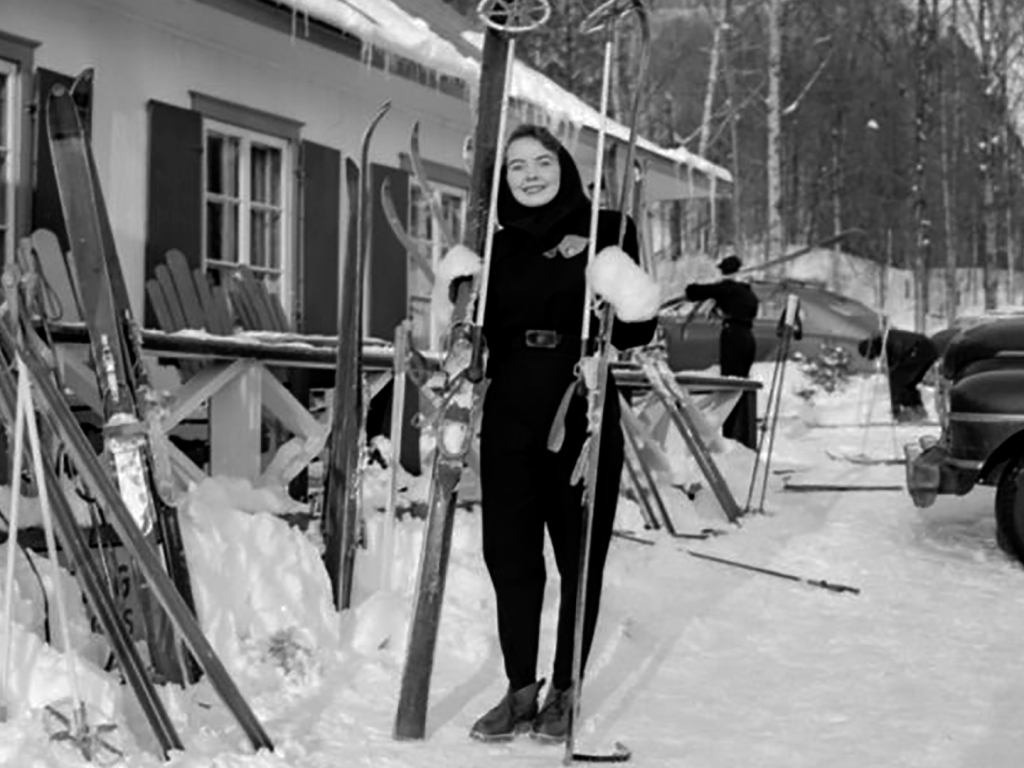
pixel 827 371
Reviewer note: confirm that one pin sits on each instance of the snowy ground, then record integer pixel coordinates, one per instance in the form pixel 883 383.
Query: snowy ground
pixel 695 664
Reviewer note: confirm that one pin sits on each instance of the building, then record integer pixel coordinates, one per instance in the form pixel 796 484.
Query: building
pixel 220 128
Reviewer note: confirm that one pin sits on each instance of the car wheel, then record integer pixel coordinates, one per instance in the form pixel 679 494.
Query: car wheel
pixel 1010 509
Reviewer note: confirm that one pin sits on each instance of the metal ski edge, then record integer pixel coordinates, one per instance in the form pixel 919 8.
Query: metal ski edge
pixel 87 574
pixel 88 465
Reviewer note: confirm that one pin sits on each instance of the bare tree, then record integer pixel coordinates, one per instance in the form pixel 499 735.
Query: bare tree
pixel 924 40
pixel 774 241
pixel 731 101
pixel 949 132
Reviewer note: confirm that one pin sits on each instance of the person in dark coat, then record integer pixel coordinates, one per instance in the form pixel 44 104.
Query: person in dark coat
pixel 736 304
pixel 533 324
pixel 908 356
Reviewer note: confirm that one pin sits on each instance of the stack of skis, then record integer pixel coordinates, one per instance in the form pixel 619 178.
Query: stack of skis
pixel 135 507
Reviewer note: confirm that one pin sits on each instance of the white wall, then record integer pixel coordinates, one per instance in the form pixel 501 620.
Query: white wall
pixel 162 49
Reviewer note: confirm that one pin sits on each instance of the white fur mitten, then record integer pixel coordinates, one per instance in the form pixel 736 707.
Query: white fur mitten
pixel 458 261
pixel 620 281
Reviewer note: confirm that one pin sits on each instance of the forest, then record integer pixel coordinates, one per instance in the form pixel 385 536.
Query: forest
pixel 895 122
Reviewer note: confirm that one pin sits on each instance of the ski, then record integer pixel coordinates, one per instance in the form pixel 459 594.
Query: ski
pixel 680 409
pixel 342 508
pixel 63 423
pixel 453 420
pixel 461 365
pixel 865 459
pixel 117 357
pixel 95 586
pixel 416 251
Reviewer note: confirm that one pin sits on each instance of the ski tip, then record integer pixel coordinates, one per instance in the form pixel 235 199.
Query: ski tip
pixel 61 116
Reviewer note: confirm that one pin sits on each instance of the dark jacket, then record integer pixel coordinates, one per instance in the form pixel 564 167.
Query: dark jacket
pixel 537 283
pixel 736 302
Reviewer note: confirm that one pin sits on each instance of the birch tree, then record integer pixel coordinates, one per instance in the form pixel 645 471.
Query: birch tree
pixel 774 165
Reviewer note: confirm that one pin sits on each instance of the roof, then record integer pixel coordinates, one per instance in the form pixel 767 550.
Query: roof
pixel 431 33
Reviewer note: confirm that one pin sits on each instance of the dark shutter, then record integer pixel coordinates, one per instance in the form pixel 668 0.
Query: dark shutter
pixel 317 271
pixel 174 206
pixel 389 270
pixel 389 304
pixel 46 210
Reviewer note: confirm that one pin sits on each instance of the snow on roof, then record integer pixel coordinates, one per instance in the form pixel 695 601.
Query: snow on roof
pixel 382 24
pixel 386 25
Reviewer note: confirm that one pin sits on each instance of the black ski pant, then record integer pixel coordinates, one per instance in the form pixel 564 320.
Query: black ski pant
pixel 736 352
pixel 907 372
pixel 525 490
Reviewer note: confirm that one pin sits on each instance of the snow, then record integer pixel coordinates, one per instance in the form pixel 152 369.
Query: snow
pixel 382 24
pixel 695 663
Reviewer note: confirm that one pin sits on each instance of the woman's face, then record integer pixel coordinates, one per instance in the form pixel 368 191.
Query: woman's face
pixel 532 172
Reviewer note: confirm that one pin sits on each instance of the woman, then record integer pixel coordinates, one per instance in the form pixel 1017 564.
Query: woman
pixel 532 327
pixel 737 304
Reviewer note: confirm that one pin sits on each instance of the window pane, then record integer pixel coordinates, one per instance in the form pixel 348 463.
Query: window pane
pixel 265 238
pixel 419 311
pixel 3 190
pixel 222 164
pixel 221 229
pixel 451 205
pixel 420 225
pixel 273 284
pixel 5 87
pixel 266 174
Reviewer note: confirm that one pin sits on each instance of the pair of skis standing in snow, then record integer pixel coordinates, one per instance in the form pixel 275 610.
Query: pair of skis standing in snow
pixel 542 443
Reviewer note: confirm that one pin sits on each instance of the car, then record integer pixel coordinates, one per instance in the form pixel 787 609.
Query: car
pixel 980 404
pixel 828 319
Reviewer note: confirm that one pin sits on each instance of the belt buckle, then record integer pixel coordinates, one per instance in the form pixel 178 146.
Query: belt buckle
pixel 542 339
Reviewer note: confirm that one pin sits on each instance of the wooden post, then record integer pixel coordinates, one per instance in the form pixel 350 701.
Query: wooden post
pixel 235 426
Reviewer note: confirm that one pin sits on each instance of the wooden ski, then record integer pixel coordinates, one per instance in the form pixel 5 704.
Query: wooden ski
pixel 342 507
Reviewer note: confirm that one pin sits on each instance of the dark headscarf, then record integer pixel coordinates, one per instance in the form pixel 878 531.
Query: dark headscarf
pixel 544 223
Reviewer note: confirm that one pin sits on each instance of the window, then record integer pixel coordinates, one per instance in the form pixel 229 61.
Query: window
pixel 15 128
pixel 422 229
pixel 8 158
pixel 247 204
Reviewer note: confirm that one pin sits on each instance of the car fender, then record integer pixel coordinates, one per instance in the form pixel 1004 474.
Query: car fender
pixel 1010 448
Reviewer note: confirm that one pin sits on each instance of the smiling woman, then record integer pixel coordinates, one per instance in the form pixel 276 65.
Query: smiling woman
pixel 532 325
pixel 532 171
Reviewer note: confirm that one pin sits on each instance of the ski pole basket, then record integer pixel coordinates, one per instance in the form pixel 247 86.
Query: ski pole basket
pixel 513 16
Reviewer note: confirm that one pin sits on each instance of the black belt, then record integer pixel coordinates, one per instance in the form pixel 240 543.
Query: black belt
pixel 538 339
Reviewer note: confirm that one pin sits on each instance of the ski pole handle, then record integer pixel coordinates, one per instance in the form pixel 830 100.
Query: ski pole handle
pixel 792 307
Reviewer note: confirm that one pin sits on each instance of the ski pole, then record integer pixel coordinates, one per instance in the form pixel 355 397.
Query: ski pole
pixel 788 324
pixel 397 417
pixel 594 369
pixel 780 574
pixel 779 356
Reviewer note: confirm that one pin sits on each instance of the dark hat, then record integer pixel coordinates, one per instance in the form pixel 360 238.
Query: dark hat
pixel 730 265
